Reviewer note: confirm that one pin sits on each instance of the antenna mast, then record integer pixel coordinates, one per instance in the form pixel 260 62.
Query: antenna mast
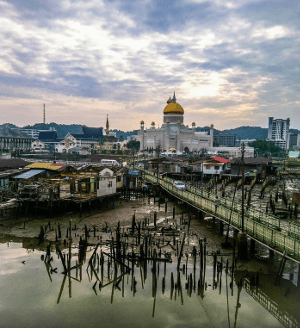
pixel 44 116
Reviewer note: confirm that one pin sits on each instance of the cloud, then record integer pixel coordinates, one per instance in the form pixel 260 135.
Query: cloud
pixel 134 54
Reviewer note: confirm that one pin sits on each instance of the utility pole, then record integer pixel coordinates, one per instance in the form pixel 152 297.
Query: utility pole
pixel 243 182
pixel 242 236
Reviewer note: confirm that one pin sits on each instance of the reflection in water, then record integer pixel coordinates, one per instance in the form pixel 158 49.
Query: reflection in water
pixel 106 271
pixel 137 278
pixel 273 307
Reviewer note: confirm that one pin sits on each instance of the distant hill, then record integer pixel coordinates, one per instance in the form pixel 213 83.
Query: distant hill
pixel 253 132
pixel 11 126
pixel 63 129
pixel 296 131
pixel 243 132
pixel 125 134
pixel 249 132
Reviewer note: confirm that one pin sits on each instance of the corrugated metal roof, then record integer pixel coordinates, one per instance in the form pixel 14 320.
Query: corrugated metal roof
pixel 29 174
pixel 12 163
pixel 47 166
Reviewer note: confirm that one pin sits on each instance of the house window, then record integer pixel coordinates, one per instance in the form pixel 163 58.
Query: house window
pixel 109 184
pixel 207 167
pixel 216 168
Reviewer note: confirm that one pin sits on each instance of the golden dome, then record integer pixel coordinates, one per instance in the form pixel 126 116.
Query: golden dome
pixel 173 108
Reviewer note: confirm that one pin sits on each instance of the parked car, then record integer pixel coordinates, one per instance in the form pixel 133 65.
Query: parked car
pixel 179 185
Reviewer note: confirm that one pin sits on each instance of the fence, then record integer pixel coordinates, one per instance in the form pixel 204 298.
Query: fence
pixel 263 228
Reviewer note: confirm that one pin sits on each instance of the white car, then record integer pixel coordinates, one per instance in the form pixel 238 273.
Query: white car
pixel 179 185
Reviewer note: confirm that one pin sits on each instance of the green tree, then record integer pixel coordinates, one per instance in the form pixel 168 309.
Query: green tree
pixel 186 149
pixel 133 145
pixel 265 147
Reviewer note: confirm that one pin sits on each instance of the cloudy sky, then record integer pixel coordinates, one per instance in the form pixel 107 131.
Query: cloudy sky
pixel 231 62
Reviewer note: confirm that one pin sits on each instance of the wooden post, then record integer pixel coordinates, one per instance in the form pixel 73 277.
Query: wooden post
pixel 242 245
pixel 221 228
pixel 252 246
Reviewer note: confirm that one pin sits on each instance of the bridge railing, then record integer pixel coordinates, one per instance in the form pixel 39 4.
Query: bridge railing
pixel 294 229
pixel 255 214
pixel 263 232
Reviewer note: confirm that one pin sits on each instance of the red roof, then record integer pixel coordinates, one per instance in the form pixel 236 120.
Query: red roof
pixel 58 164
pixel 220 159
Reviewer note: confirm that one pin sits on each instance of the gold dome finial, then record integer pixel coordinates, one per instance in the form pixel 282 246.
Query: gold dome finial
pixel 173 107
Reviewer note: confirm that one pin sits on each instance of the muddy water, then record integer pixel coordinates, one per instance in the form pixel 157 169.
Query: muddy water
pixel 35 293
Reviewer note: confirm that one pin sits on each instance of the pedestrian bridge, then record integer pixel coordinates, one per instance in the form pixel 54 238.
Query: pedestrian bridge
pixel 263 227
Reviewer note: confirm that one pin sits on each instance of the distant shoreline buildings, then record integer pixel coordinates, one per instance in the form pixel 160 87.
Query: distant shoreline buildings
pixel 278 131
pixel 172 137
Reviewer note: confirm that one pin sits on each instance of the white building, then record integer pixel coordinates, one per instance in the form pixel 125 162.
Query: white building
pixel 278 131
pixel 173 134
pixel 230 152
pixel 38 145
pixel 107 183
pixel 76 143
pixel 33 133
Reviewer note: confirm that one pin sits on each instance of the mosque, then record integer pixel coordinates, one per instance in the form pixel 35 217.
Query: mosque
pixel 173 135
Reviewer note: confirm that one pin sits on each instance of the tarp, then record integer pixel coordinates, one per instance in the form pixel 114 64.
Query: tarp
pixel 29 174
pixel 133 172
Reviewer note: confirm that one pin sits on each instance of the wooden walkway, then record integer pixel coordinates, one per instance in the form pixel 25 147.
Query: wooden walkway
pixel 258 225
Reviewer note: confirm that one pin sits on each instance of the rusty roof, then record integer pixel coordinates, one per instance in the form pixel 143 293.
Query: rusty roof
pixel 47 166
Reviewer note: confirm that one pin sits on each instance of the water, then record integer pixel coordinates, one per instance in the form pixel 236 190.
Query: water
pixel 30 295
pixel 33 295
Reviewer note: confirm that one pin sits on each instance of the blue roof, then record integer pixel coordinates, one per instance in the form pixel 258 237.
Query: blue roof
pixel 29 174
pixel 48 136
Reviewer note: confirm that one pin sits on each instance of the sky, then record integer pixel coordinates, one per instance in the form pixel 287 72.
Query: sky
pixel 231 62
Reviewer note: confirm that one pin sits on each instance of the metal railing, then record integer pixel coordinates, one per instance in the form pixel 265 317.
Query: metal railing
pixel 264 229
